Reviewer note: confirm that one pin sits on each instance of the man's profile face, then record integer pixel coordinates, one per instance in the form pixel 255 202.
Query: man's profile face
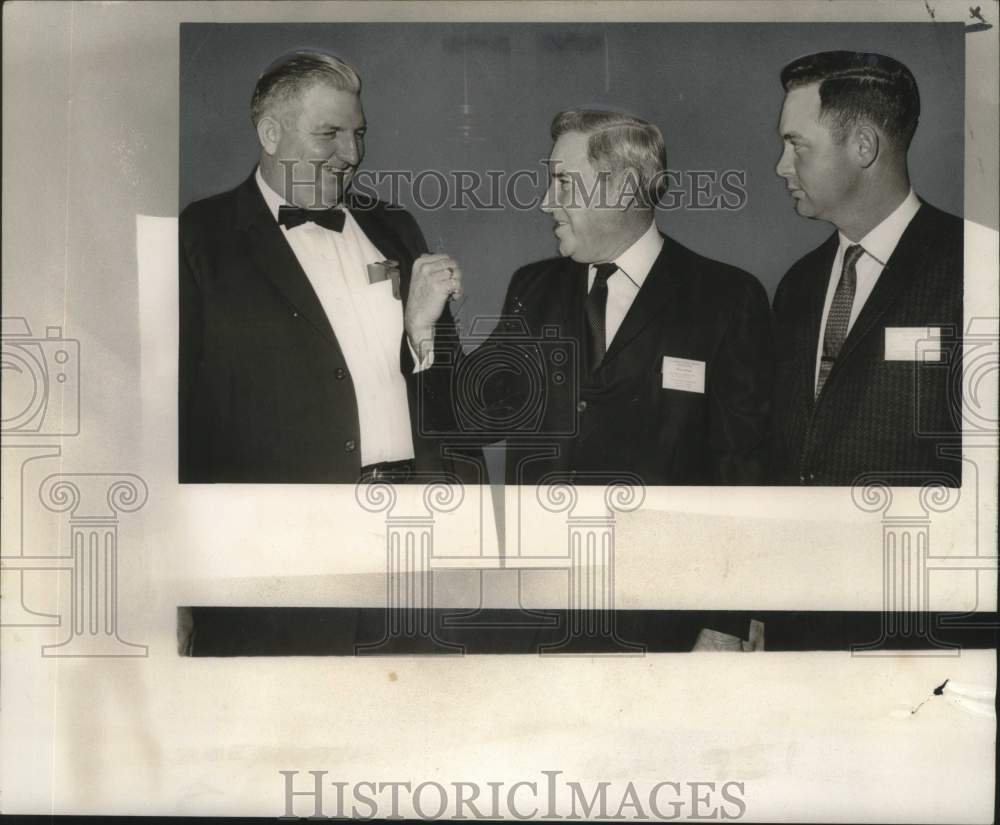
pixel 816 167
pixel 321 143
pixel 589 223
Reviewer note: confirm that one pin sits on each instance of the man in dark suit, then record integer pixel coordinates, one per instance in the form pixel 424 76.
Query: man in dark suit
pixel 673 351
pixel 869 323
pixel 294 366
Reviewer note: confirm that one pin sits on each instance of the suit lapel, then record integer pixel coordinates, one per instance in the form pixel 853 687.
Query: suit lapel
pixel 659 288
pixel 275 259
pixel 898 271
pixel 571 299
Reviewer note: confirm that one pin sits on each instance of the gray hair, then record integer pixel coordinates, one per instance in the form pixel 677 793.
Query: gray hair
pixel 620 143
pixel 289 76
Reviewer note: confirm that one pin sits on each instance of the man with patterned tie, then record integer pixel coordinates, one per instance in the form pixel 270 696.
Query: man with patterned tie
pixel 869 323
pixel 294 366
pixel 674 350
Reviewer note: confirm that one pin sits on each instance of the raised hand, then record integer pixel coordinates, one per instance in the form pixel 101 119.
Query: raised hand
pixel 433 281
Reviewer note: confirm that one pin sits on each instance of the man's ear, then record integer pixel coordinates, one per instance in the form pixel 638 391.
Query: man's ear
pixel 866 145
pixel 269 133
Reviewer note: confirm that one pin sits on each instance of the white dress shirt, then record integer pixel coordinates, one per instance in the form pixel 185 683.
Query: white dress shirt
pixel 368 323
pixel 878 246
pixel 633 267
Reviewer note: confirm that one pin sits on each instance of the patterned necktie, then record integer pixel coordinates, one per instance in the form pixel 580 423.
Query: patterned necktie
pixel 840 314
pixel 292 216
pixel 596 308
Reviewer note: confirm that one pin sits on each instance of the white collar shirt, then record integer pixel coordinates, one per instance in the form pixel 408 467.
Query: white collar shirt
pixel 634 265
pixel 878 245
pixel 368 323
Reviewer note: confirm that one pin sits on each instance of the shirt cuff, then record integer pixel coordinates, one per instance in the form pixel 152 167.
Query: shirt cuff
pixel 420 366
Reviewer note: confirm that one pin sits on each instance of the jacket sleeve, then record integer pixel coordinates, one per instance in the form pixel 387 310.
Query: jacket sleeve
pixel 741 381
pixel 498 379
pixel 430 390
pixel 475 394
pixel 193 424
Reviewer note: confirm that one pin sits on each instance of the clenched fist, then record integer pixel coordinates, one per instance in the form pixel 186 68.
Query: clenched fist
pixel 433 281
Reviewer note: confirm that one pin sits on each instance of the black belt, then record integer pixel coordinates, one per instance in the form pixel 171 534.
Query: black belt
pixel 392 471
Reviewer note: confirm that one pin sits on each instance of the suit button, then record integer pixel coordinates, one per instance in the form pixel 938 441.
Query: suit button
pixel 349 446
pixel 581 406
pixel 340 373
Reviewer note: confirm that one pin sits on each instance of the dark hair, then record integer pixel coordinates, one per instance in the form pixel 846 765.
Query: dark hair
pixel 288 76
pixel 860 86
pixel 620 142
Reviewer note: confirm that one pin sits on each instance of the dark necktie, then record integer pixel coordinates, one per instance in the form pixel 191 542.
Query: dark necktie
pixel 292 216
pixel 840 314
pixel 596 307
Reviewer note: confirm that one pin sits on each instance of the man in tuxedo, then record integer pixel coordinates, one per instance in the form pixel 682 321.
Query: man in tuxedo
pixel 294 366
pixel 869 323
pixel 630 356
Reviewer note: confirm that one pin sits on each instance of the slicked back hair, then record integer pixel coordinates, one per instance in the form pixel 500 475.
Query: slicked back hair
pixel 291 75
pixel 856 87
pixel 620 143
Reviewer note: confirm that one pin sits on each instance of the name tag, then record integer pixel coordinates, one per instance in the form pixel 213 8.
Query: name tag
pixel 913 344
pixel 683 374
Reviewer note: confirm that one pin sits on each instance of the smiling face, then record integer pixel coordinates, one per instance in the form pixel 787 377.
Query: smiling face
pixel 317 142
pixel 819 170
pixel 591 228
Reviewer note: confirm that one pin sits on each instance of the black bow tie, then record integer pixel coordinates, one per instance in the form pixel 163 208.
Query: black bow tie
pixel 292 216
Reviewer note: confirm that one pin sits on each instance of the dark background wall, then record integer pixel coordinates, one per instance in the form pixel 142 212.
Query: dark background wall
pixel 712 89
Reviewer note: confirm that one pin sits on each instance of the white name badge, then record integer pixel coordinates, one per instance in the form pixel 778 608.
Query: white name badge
pixel 912 343
pixel 683 374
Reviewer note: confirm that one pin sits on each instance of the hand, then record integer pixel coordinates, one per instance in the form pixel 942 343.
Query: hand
pixel 433 281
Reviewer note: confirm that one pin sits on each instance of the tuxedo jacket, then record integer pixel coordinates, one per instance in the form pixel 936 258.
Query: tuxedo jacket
pixel 265 394
pixel 700 420
pixel 896 419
